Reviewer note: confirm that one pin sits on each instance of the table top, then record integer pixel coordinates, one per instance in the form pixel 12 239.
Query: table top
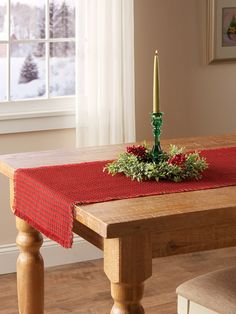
pixel 120 217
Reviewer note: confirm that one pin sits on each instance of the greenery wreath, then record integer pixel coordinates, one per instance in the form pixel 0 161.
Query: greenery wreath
pixel 174 165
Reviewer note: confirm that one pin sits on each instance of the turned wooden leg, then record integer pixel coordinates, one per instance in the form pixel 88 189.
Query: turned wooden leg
pixel 127 298
pixel 127 264
pixel 30 270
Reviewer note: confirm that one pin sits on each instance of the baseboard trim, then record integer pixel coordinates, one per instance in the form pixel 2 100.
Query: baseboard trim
pixel 53 254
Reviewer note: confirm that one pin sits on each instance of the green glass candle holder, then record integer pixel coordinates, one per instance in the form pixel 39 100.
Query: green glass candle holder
pixel 157 122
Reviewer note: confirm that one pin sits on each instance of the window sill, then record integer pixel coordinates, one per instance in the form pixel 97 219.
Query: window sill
pixel 41 121
pixel 55 116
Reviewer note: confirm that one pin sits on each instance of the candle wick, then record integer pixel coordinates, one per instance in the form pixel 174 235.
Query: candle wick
pixel 156 53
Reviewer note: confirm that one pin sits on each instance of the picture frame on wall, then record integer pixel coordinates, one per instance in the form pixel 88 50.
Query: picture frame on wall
pixel 221 30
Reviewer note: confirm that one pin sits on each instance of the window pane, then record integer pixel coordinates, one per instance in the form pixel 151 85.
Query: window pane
pixel 3 72
pixel 62 18
pixel 3 20
pixel 62 69
pixel 27 19
pixel 27 70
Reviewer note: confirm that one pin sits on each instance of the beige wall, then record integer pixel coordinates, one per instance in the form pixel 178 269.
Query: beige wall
pixel 197 99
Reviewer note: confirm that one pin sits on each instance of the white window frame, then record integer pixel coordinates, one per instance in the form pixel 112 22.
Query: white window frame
pixel 36 114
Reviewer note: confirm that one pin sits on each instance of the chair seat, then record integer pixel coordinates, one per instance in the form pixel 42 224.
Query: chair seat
pixel 212 293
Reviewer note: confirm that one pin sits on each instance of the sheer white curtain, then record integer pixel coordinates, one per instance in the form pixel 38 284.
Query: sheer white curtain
pixel 105 82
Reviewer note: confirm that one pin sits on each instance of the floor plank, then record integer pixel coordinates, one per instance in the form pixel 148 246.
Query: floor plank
pixel 83 288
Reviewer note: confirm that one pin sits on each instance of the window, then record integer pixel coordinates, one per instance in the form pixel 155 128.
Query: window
pixel 37 57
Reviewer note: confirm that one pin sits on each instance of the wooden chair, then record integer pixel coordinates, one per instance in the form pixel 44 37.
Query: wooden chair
pixel 213 293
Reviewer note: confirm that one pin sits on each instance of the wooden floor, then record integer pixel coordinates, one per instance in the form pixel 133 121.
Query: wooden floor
pixel 83 288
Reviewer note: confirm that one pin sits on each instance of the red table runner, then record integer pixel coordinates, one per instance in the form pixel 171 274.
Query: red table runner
pixel 45 196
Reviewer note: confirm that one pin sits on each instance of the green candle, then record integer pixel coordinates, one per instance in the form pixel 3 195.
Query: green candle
pixel 156 82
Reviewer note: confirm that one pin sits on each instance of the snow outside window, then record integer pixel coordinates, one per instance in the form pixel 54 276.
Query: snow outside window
pixel 37 63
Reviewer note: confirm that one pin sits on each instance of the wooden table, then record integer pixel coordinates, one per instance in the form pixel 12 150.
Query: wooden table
pixel 130 232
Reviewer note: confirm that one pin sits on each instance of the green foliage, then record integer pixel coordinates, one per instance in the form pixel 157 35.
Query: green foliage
pixel 191 166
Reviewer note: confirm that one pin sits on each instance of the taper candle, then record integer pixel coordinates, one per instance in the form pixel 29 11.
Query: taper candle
pixel 156 82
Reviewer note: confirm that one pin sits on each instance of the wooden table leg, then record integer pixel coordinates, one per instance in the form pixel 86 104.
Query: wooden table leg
pixel 30 270
pixel 127 264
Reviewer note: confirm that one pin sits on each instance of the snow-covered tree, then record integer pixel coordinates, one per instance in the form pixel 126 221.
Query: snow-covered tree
pixel 67 20
pixel 65 27
pixel 53 13
pixel 64 17
pixel 29 70
pixel 40 51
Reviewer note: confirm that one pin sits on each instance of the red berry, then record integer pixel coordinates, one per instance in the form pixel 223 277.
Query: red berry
pixel 178 160
pixel 139 151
